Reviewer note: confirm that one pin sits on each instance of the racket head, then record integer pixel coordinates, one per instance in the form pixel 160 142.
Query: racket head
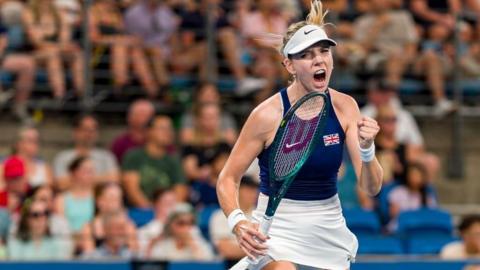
pixel 297 136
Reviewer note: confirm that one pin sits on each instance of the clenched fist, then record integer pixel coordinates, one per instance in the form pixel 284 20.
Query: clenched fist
pixel 367 130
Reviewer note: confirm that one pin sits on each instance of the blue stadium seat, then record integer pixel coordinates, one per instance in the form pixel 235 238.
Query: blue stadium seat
pixel 362 222
pixel 428 245
pixel 196 266
pixel 141 216
pixel 425 223
pixel 380 245
pixel 382 201
pixel 203 216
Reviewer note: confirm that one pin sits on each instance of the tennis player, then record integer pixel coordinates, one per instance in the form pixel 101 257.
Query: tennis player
pixel 308 230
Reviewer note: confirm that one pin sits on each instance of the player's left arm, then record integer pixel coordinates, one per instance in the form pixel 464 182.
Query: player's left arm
pixel 360 135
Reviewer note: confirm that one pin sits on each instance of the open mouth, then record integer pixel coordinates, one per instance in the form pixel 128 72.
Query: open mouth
pixel 320 75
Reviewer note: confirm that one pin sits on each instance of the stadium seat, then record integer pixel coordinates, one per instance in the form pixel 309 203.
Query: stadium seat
pixel 203 216
pixel 196 266
pixel 362 222
pixel 425 223
pixel 141 216
pixel 427 245
pixel 380 245
pixel 382 201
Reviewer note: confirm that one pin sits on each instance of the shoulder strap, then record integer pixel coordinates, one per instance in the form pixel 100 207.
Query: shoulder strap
pixel 285 101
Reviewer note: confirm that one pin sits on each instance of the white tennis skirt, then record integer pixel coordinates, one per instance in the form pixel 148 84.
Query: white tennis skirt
pixel 310 234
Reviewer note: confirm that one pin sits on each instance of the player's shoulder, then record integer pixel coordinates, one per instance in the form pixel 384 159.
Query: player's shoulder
pixel 344 103
pixel 268 111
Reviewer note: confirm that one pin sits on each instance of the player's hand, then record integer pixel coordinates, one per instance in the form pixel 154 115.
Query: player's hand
pixel 251 241
pixel 367 130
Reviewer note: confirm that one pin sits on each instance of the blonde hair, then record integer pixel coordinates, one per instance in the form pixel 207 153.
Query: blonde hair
pixel 315 17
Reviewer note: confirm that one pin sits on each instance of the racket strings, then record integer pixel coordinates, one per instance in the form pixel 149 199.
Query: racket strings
pixel 297 137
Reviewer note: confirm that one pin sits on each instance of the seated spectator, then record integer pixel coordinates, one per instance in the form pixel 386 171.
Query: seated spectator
pixel 17 61
pixel 108 200
pixel 469 246
pixel 207 93
pixel 151 167
pixel 107 29
pixel 33 240
pixel 16 185
pixel 139 113
pixel 117 236
pixel 26 147
pixel 154 23
pixel 470 62
pixel 412 195
pixel 50 35
pixel 85 135
pixel 381 94
pixel 76 204
pixel 222 238
pixel 164 202
pixel 204 193
pixel 388 41
pixel 189 50
pixel 207 140
pixel 58 224
pixel 180 240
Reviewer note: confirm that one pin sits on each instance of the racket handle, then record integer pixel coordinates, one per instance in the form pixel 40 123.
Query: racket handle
pixel 264 227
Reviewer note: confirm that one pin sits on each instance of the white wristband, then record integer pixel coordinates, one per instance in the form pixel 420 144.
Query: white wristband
pixel 234 217
pixel 367 155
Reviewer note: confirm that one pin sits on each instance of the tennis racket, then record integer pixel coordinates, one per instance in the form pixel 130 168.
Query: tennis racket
pixel 300 130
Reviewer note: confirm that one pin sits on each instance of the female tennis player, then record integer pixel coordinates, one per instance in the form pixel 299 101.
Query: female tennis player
pixel 308 230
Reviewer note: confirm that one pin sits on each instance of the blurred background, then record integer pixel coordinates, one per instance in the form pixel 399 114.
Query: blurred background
pixel 118 115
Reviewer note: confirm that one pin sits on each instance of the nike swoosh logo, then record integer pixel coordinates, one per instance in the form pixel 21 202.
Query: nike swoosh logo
pixel 288 146
pixel 308 32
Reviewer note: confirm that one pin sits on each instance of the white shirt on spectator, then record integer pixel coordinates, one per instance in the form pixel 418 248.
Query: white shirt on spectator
pixel 407 131
pixel 166 249
pixel 103 160
pixel 148 232
pixel 454 251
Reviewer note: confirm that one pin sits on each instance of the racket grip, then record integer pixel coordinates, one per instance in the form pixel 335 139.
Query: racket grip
pixel 264 227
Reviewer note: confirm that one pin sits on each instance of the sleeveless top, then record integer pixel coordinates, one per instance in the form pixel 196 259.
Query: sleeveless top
pixel 317 179
pixel 78 211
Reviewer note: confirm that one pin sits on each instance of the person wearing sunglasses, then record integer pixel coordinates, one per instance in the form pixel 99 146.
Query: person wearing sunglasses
pixel 33 240
pixel 181 239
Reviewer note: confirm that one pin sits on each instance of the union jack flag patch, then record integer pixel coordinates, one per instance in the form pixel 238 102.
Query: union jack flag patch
pixel 331 139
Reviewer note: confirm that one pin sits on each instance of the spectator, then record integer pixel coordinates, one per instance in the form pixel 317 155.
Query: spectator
pixel 388 39
pixel 107 29
pixel 33 240
pixel 413 195
pixel 207 93
pixel 26 147
pixel 139 113
pixel 439 12
pixel 85 135
pixel 50 34
pixel 470 62
pixel 151 167
pixel 164 202
pixel 204 193
pixel 108 200
pixel 58 224
pixel 469 246
pixel 222 238
pixel 117 236
pixel 190 45
pixel 154 23
pixel 16 60
pixel 76 204
pixel 207 140
pixel 16 185
pixel 267 62
pixel 381 94
pixel 181 240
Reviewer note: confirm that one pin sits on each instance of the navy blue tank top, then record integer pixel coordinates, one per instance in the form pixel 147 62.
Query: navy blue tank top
pixel 317 180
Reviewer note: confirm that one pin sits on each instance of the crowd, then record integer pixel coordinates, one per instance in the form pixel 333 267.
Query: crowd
pixel 77 204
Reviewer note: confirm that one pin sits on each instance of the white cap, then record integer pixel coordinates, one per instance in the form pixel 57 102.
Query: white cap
pixel 306 37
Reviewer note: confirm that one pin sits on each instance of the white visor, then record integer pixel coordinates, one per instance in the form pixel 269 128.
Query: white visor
pixel 306 37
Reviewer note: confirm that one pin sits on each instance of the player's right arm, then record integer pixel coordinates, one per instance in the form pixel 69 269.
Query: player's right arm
pixel 253 137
